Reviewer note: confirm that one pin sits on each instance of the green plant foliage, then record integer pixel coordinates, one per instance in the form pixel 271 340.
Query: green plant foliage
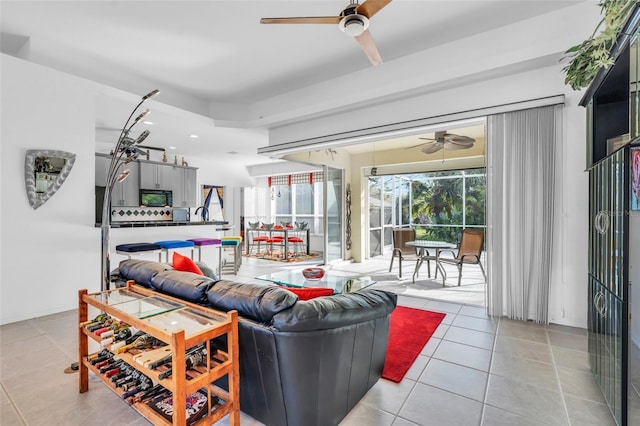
pixel 588 57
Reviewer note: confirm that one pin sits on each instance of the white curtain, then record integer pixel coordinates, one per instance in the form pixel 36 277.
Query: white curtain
pixel 522 147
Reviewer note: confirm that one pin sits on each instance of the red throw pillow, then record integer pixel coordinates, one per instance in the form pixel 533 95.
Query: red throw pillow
pixel 309 293
pixel 185 264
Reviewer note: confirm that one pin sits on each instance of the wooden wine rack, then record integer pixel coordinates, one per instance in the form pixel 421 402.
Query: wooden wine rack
pixel 223 363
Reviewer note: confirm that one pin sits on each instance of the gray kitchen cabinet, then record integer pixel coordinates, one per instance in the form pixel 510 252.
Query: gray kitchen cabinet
pixel 102 167
pixel 185 186
pixel 124 193
pixel 156 175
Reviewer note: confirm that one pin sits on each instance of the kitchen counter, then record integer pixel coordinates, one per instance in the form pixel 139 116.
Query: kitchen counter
pixel 222 225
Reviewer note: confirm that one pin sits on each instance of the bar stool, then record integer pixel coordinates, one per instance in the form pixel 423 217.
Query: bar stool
pixel 211 242
pixel 234 242
pixel 175 244
pixel 133 249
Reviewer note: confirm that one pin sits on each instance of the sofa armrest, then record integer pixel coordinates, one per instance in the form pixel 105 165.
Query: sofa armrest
pixel 329 312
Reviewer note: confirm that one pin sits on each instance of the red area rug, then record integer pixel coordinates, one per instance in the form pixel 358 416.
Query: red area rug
pixel 409 330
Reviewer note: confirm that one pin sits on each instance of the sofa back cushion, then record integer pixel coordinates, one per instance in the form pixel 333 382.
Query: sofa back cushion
pixel 141 271
pixel 184 285
pixel 335 311
pixel 259 302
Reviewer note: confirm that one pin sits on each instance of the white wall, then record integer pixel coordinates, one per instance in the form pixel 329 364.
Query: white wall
pixel 50 253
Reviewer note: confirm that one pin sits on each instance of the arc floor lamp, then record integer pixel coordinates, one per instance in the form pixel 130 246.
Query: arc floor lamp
pixel 124 152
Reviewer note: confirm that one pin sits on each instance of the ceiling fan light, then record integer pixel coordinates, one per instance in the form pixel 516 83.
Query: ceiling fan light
pixel 354 25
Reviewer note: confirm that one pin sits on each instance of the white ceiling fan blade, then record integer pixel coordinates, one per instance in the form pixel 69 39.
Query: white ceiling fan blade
pixel 369 47
pixel 458 139
pixel 456 146
pixel 431 148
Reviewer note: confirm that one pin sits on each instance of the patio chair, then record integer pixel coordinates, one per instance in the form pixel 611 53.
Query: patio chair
pixel 469 252
pixel 400 237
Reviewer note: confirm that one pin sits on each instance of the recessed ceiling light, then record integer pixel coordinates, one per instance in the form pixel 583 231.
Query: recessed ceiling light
pixel 148 122
pixel 193 136
pixel 172 147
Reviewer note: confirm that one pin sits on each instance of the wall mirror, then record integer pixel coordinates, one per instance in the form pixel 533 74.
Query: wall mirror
pixel 44 173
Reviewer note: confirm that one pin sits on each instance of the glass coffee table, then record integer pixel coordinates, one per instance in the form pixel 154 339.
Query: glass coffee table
pixel 339 283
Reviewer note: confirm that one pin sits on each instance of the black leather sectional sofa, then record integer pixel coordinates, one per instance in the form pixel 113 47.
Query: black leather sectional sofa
pixel 302 363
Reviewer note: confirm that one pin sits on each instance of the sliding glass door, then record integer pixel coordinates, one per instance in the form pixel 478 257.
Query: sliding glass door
pixel 333 217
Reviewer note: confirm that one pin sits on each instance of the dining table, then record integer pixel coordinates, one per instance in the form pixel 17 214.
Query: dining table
pixel 423 247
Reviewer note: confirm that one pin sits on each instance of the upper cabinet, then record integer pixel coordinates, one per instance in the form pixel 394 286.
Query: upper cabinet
pixel 184 187
pixel 182 181
pixel 156 176
pixel 125 193
pixel 612 99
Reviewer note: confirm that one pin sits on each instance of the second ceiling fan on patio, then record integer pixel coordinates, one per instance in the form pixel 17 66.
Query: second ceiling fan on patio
pixel 448 141
pixel 353 21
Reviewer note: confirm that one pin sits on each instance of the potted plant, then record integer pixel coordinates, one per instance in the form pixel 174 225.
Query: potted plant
pixel 586 58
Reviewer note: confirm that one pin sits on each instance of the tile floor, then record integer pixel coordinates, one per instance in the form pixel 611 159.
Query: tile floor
pixel 475 370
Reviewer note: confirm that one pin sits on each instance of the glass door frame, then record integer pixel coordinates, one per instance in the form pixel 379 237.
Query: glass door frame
pixel 329 243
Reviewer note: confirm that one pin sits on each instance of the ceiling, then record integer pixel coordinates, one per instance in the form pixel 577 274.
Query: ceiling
pixel 222 75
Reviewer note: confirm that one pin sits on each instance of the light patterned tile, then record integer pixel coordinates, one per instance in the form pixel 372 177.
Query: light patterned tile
pixel 478 324
pixel 469 337
pixel 571 359
pixel 468 356
pixel 524 349
pixel 455 378
pixel 580 384
pixel 387 395
pixel 431 346
pixel 588 413
pixel 417 367
pixel 496 417
pixel 367 415
pixel 525 400
pixel 521 330
pixel 527 371
pixel 439 407
pixel 474 311
pixel 569 341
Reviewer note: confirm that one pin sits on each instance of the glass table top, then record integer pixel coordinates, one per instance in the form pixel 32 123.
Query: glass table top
pixel 136 304
pixel 189 320
pixel 339 283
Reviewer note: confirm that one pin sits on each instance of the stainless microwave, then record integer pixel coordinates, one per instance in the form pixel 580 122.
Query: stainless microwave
pixel 156 198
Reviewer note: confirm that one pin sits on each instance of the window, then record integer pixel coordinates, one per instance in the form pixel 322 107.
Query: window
pixel 439 205
pixel 298 202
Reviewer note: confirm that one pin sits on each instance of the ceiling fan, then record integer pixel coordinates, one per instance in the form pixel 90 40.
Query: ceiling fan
pixel 448 141
pixel 353 21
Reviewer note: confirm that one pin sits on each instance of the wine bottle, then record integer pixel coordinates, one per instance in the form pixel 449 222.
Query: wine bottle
pixel 143 342
pixel 128 340
pixel 113 329
pixel 196 358
pixel 95 326
pixel 120 336
pixel 99 318
pixel 167 359
pixel 149 393
pixel 113 325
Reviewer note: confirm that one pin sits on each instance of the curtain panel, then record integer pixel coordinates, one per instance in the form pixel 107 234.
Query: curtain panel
pixel 521 155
